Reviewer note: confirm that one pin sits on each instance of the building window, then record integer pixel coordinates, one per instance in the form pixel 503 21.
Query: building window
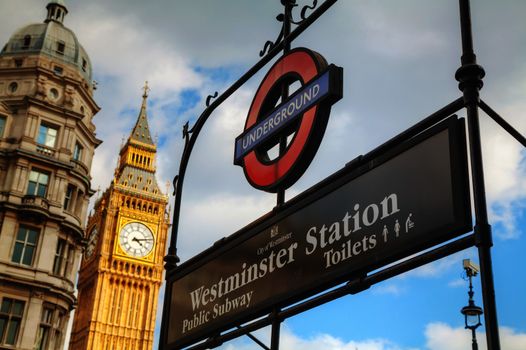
pixel 37 184
pixel 59 327
pixel 27 41
pixel 53 93
pixel 137 309
pixel 63 258
pixel 58 70
pixel 112 302
pixel 52 323
pixel 131 309
pixel 25 246
pixel 84 64
pixel 47 135
pixel 119 307
pixel 61 46
pixel 79 202
pixel 11 312
pixel 13 87
pixel 2 125
pixel 45 325
pixel 77 152
pixel 68 197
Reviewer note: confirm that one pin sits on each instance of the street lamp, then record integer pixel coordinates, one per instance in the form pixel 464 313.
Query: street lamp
pixel 471 312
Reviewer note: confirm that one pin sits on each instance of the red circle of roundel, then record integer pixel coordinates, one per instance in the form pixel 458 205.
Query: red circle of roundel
pixel 282 172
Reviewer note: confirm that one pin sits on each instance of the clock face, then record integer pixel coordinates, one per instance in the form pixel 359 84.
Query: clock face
pixel 136 240
pixel 92 241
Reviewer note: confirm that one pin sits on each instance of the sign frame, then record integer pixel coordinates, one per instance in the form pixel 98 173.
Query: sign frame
pixel 356 168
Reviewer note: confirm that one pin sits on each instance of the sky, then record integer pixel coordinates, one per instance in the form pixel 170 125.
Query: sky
pixel 399 59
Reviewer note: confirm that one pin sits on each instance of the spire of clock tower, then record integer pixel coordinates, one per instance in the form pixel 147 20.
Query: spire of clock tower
pixel 136 167
pixel 141 130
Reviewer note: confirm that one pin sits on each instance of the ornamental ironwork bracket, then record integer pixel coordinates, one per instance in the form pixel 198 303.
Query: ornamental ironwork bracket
pixel 289 5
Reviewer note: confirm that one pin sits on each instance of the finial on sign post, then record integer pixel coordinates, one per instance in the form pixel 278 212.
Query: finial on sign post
pixel 288 2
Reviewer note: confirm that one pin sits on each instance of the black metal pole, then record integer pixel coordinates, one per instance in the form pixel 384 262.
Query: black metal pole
pixel 285 89
pixel 470 76
pixel 255 340
pixel 288 4
pixel 503 123
pixel 276 325
pixel 474 344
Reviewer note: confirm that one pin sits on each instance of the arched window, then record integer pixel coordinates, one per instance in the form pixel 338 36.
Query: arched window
pixel 27 41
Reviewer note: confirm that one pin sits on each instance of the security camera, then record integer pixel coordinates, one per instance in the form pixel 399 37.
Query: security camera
pixel 471 268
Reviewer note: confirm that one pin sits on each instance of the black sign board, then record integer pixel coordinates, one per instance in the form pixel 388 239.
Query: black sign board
pixel 367 215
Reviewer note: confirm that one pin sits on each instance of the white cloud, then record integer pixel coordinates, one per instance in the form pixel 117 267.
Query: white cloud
pixel 412 39
pixel 438 335
pixel 459 282
pixel 291 341
pixel 441 336
pixel 440 267
pixel 125 54
pixel 390 288
pixel 505 171
pixel 217 217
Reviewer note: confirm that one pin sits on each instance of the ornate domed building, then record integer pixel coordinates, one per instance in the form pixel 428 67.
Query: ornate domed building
pixel 47 141
pixel 53 40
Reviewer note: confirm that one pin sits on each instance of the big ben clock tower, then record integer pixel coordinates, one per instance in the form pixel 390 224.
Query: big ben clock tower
pixel 121 271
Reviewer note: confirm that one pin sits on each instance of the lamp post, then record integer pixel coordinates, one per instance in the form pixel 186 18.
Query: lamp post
pixel 471 312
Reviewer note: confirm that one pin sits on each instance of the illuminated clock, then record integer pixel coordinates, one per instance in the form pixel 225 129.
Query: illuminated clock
pixel 136 239
pixel 92 241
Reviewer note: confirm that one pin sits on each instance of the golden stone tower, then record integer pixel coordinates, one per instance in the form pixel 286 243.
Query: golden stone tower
pixel 121 271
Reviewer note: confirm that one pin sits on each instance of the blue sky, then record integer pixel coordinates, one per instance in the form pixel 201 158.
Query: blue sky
pixel 399 59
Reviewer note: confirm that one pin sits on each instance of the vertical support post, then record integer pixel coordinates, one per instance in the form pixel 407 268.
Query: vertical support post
pixel 289 4
pixel 474 344
pixel 469 76
pixel 276 325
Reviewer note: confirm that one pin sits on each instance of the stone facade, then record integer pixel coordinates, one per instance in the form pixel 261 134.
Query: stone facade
pixel 47 142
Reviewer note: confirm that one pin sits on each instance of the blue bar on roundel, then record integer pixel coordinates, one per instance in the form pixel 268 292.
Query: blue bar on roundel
pixel 283 115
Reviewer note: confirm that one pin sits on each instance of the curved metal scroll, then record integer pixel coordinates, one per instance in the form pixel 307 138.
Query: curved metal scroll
pixel 269 45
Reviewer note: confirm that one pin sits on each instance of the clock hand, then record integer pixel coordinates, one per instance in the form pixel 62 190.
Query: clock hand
pixel 143 239
pixel 137 240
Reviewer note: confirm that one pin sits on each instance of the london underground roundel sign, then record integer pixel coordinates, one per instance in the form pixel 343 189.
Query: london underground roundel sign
pixel 301 119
